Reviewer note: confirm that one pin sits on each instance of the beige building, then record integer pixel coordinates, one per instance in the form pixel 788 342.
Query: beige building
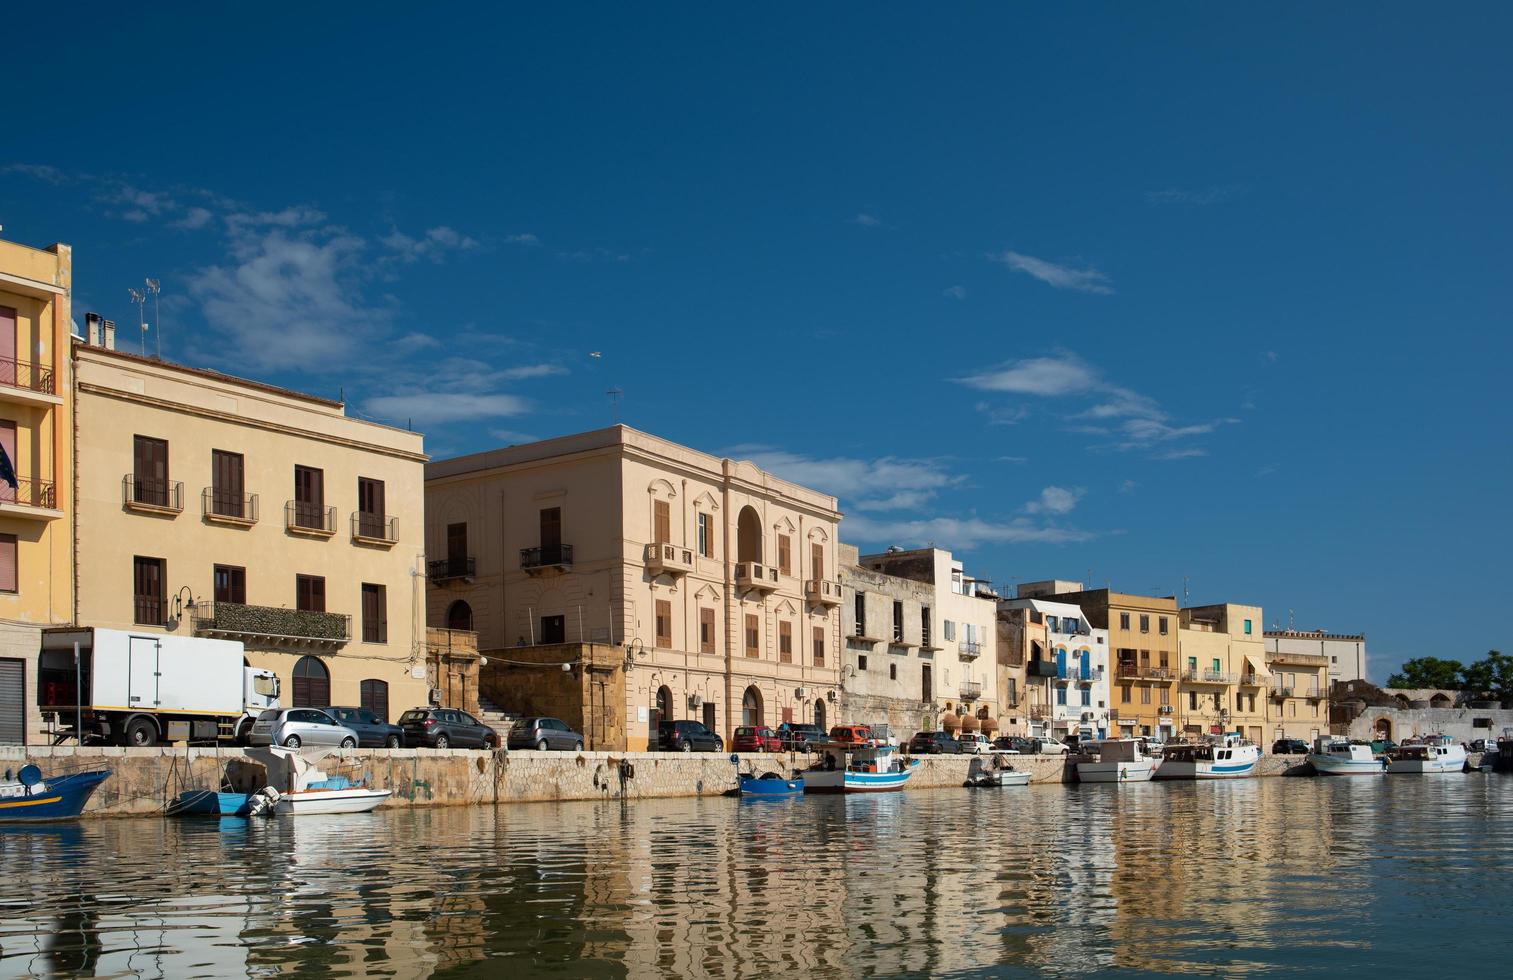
pixel 1346 652
pixel 222 507
pixel 36 569
pixel 1297 700
pixel 1142 634
pixel 1222 684
pixel 717 578
pixel 892 637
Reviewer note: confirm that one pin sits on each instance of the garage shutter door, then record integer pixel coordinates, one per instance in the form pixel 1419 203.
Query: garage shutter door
pixel 12 702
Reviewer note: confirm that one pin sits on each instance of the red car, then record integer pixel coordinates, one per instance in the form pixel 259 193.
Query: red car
pixel 854 734
pixel 758 739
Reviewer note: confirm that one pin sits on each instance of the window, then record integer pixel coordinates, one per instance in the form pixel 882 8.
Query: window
pixel 1239 702
pixel 706 631
pixel 309 497
pixel 147 591
pixel 8 574
pixel 1161 624
pixel 898 622
pixel 816 560
pixel 551 535
pixel 924 625
pixel 149 471
pixel 1061 694
pixel 1145 659
pixel 1192 665
pixel 1217 668
pixel 1247 627
pixel 230 584
pixel 1145 624
pixel 704 524
pixel 785 554
pixel 1087 696
pixel 1145 695
pixel 371 521
pixel 312 683
pixel 753 636
pixel 1053 624
pixel 661 522
pixel 819 646
pixel 226 484
pixel 310 593
pixel 785 641
pixel 893 672
pixel 1163 658
pixel 664 623
pixel 1166 695
pixel 950 630
pixel 375 613
pixel 459 615
pixel 861 663
pixel 1124 621
pixel 1124 694
pixel 553 629
pixel 861 614
pixel 374 696
pixel 926 684
pixel 457 548
pixel 1070 624
pixel 1192 700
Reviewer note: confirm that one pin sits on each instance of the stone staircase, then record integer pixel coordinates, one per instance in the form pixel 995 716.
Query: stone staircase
pixel 495 717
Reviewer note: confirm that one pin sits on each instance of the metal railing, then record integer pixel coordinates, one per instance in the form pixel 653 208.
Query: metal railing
pixel 1250 679
pixel 561 555
pixel 971 690
pixel 1207 677
pixel 446 569
pixel 149 492
pixel 970 649
pixel 236 619
pixel 1146 672
pixel 232 506
pixel 1279 692
pixel 299 516
pixel 375 527
pixel 1042 668
pixel 29 493
pixel 26 375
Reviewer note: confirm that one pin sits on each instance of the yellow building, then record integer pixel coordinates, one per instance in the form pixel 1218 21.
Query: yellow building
pixel 1297 701
pixel 1221 687
pixel 222 507
pixel 1142 638
pixel 36 571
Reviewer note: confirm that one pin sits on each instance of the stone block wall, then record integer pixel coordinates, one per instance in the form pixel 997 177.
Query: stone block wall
pixel 590 697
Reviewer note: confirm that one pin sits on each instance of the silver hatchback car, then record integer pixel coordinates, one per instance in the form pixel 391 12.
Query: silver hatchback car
pixel 293 727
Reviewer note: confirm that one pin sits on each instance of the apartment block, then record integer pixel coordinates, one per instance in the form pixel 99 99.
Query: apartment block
pixel 1345 652
pixel 1223 681
pixel 892 634
pixel 1142 632
pixel 1067 685
pixel 1297 696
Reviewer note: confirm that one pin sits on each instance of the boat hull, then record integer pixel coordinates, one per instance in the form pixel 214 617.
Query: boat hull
pixel 1207 769
pixel 1328 765
pixel 1138 771
pixel 842 781
pixel 993 779
pixel 60 798
pixel 329 801
pixel 1454 762
pixel 770 788
pixel 205 803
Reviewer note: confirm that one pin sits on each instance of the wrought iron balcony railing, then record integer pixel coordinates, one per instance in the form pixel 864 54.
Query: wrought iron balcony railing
pixel 376 528
pixel 148 493
pixel 29 493
pixel 236 620
pixel 223 505
pixel 304 518
pixel 560 556
pixel 26 375
pixel 450 569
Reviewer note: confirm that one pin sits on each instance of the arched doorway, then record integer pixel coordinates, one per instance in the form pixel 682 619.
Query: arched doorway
pixel 459 616
pixel 751 707
pixel 749 535
pixel 661 710
pixel 312 684
pixel 819 714
pixel 374 695
pixel 1383 728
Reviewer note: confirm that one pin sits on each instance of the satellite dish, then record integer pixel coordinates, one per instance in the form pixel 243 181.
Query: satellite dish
pixel 30 775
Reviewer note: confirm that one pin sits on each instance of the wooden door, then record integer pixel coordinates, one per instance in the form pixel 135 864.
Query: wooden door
pixel 551 535
pixel 816 561
pixel 150 470
pixel 370 508
pixel 662 522
pixel 309 497
pixel 226 483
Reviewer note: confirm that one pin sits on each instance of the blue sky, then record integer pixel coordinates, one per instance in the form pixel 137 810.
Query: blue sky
pixel 1145 293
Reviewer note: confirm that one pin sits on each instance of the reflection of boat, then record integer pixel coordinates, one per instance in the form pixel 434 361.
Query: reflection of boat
pixel 209 803
pixel 30 797
pixel 1226 756
pixel 1436 753
pixel 849 767
pixel 1119 760
pixel 1340 757
pixel 771 784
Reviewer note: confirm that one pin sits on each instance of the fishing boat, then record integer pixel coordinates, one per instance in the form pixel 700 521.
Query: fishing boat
pixel 29 797
pixel 771 784
pixel 1118 760
pixel 309 790
pixel 209 803
pixel 996 774
pixel 1433 753
pixel 851 767
pixel 1227 756
pixel 1342 757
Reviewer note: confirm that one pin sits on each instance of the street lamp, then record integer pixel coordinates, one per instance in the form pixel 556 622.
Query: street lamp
pixel 179 605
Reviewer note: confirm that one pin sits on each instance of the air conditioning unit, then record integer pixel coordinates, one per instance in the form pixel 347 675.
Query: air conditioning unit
pixel 696 701
pixel 800 692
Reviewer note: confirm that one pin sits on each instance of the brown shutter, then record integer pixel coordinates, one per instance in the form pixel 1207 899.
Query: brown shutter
pixel 374 696
pixel 819 646
pixel 8 563
pixel 785 641
pixel 664 623
pixel 310 593
pixel 662 522
pixel 706 631
pixel 551 531
pixel 785 554
pixel 150 471
pixel 753 638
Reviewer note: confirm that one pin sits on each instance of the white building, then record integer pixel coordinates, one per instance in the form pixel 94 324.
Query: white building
pixel 1346 651
pixel 1069 695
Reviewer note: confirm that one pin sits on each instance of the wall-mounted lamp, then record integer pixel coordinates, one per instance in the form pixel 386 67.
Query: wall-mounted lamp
pixel 179 605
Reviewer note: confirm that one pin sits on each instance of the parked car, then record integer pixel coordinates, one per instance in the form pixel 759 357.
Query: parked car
pixel 1482 745
pixel 933 743
pixel 852 734
pixel 759 738
pixel 1049 746
pixel 974 743
pixel 446 728
pixel 1014 744
pixel 797 738
pixel 883 735
pixel 293 727
pixel 1289 746
pixel 534 732
pixel 687 736
pixel 372 731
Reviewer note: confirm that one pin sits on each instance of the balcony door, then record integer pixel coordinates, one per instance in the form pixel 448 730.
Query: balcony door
pixel 8 441
pixel 309 497
pixel 226 483
pixel 551 535
pixel 149 467
pixel 370 507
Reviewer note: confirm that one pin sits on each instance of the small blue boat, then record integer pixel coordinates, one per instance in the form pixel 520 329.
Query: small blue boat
pixel 207 803
pixel 30 798
pixel 771 784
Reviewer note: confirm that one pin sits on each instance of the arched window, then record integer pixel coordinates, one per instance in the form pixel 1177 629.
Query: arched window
pixel 748 535
pixel 375 697
pixel 661 710
pixel 751 707
pixel 459 616
pixel 312 683
pixel 819 714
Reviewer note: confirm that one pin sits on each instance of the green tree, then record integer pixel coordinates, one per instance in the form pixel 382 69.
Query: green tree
pixel 1493 674
pixel 1428 672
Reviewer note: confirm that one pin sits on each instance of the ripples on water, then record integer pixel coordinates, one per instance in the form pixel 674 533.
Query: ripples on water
pixel 1399 876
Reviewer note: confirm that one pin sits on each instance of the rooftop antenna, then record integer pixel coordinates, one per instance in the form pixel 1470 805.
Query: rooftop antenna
pixel 615 394
pixel 140 298
pixel 154 287
pixel 1289 621
pixel 1184 590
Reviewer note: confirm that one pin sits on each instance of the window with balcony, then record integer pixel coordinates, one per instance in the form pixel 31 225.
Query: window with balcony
pixel 375 613
pixel 816 560
pixel 310 593
pixel 664 623
pixel 8 568
pixel 149 472
pixel 753 636
pixel 148 600
pixel 553 630
pixel 706 631
pixel 550 525
pixel 228 485
pixel 310 499
pixel 861 614
pixel 230 583
pixel 819 646
pixel 785 641
pixel 372 520
pixel 924 625
pixel 748 536
pixel 661 522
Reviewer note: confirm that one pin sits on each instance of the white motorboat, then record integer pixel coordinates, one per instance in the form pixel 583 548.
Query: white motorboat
pixel 353 799
pixel 309 790
pixel 1227 756
pixel 1434 753
pixel 1342 757
pixel 851 767
pixel 1118 760
pixel 996 772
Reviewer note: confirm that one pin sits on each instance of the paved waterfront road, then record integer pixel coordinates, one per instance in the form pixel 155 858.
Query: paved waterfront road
pixel 1397 876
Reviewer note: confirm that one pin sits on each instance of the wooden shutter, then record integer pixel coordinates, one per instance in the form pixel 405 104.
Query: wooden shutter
pixel 457 547
pixel 375 614
pixel 8 494
pixel 8 563
pixel 785 554
pixel 785 641
pixel 226 483
pixel 310 593
pixel 706 631
pixel 150 470
pixel 370 508
pixel 374 696
pixel 551 531
pixel 819 646
pixel 312 684
pixel 147 589
pixel 661 522
pixel 230 584
pixel 664 623
pixel 753 636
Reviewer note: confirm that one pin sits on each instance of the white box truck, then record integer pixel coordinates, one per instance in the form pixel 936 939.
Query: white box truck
pixel 145 688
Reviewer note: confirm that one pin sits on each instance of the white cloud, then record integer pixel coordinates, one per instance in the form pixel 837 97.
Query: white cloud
pixel 957 533
pixel 955 292
pixel 1062 375
pixel 888 483
pixel 1002 414
pixel 1190 452
pixel 525 371
pixel 866 219
pixel 1055 500
pixel 1199 196
pixel 195 218
pixel 1127 486
pixel 1087 280
pixel 524 238
pixel 433 245
pixel 37 171
pixel 425 408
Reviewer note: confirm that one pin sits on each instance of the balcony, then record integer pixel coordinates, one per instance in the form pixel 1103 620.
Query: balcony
pixel 541 561
pixel 971 690
pixel 755 575
pixel 1041 712
pixel 969 649
pixel 27 382
pixel 1314 694
pixel 668 559
pixel 1145 672
pixel 374 529
pixel 451 570
pixel 30 499
pixel 822 591
pixel 1165 709
pixel 222 507
pixel 1251 680
pixel 1042 668
pixel 312 520
pixel 1206 677
pixel 276 625
pixel 1298 659
pixel 1281 693
pixel 150 496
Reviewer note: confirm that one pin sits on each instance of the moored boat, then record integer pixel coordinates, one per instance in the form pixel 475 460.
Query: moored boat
pixel 771 784
pixel 29 797
pixel 1228 756
pixel 1118 760
pixel 1432 754
pixel 992 778
pixel 310 790
pixel 209 803
pixel 1342 757
pixel 849 767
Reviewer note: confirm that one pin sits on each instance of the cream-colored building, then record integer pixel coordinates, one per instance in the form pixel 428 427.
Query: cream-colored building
pixel 1297 698
pixel 36 570
pixel 1222 682
pixel 892 643
pixel 719 578
pixel 222 507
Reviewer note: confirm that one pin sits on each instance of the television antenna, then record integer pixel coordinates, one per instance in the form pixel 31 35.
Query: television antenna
pixel 615 394
pixel 139 297
pixel 154 287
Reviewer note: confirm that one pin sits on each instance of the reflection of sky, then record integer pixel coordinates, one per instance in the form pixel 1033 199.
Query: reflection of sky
pixel 1223 877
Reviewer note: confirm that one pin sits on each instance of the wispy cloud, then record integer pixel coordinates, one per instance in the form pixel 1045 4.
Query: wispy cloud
pixel 1200 196
pixel 960 533
pixel 955 292
pixel 523 238
pixel 435 244
pixel 1055 500
pixel 889 483
pixel 525 371
pixel 36 171
pixel 1128 486
pixel 424 408
pixel 866 219
pixel 1086 279
pixel 1048 376
pixel 1002 414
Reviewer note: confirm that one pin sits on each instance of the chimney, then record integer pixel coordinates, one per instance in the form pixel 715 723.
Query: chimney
pixel 92 329
pixel 110 334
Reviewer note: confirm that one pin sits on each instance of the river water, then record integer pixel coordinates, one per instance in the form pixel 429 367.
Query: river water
pixel 1399 876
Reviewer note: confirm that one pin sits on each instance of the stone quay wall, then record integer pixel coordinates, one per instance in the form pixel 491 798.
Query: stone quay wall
pixel 143 781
